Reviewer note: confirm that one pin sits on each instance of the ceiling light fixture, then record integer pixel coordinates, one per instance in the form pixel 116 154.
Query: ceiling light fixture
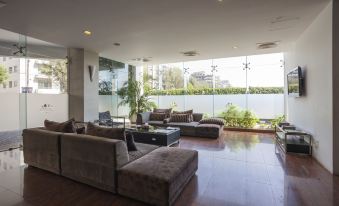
pixel 87 33
pixel 190 53
pixel 2 4
pixel 220 0
pixel 235 47
pixel 116 44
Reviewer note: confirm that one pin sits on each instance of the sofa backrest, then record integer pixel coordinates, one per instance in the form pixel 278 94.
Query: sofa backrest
pixel 92 160
pixel 41 149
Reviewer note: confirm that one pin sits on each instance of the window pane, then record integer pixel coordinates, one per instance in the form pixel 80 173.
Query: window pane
pixel 230 83
pixel 171 86
pixel 199 86
pixel 266 83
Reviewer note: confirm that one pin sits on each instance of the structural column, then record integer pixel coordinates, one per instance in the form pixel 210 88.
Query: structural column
pixel 83 67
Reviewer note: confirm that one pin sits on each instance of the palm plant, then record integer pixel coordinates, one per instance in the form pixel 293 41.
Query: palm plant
pixel 131 95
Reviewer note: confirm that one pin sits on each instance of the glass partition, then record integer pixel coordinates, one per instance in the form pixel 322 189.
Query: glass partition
pixel 265 83
pixel 254 83
pixel 230 83
pixel 199 86
pixel 33 85
pixel 171 86
pixel 113 76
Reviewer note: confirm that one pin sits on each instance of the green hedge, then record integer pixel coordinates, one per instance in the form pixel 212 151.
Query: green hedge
pixel 218 91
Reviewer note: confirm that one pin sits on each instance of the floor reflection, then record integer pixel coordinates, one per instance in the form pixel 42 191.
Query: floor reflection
pixel 238 169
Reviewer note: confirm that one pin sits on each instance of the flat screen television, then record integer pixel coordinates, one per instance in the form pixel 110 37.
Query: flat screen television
pixel 295 82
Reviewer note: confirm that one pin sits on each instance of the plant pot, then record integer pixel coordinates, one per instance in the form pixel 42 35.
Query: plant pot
pixel 133 118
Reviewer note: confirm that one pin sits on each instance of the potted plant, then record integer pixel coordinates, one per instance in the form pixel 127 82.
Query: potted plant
pixel 131 95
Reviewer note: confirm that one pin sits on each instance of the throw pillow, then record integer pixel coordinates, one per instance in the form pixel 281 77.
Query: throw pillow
pixel 157 116
pixel 190 112
pixel 180 118
pixel 217 121
pixel 130 142
pixel 65 127
pixel 112 133
pixel 80 127
pixel 81 130
pixel 167 111
pixel 183 112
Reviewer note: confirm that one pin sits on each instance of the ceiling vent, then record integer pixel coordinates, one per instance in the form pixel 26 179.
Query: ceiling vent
pixel 190 53
pixel 267 45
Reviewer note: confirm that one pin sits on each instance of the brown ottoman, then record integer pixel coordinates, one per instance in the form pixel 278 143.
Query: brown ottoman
pixel 158 177
pixel 209 130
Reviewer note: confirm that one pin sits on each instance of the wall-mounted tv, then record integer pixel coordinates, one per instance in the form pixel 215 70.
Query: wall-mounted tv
pixel 295 82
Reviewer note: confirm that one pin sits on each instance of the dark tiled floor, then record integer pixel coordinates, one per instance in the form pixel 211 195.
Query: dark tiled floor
pixel 238 169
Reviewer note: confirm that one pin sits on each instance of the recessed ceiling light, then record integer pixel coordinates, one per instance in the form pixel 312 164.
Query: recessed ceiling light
pixel 235 47
pixel 2 4
pixel 220 0
pixel 87 33
pixel 116 44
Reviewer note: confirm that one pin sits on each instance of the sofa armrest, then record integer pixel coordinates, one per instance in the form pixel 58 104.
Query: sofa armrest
pixel 41 149
pixel 143 117
pixel 197 117
pixel 92 160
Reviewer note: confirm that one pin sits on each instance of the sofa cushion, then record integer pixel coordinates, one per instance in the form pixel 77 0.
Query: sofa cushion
pixel 180 118
pixel 183 124
pixel 160 175
pixel 197 117
pixel 142 149
pixel 81 130
pixel 112 133
pixel 209 130
pixel 65 127
pixel 183 112
pixel 167 111
pixel 157 116
pixel 190 112
pixel 217 121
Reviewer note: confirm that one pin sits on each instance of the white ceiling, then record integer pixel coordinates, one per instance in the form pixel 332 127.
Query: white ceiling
pixel 162 29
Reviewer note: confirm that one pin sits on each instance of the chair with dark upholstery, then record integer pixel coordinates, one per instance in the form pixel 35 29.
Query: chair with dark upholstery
pixel 105 119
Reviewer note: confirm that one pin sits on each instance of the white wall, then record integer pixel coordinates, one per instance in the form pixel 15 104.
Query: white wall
pixel 313 112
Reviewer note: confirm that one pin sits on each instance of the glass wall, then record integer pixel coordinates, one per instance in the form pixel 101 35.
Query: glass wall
pixel 208 86
pixel 33 87
pixel 113 76
pixel 33 83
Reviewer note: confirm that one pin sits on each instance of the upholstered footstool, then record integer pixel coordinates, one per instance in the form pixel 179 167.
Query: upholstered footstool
pixel 158 177
pixel 209 130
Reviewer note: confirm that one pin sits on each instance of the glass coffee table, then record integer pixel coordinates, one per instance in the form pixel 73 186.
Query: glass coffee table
pixel 160 136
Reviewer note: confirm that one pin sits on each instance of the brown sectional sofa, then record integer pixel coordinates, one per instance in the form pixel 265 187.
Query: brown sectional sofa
pixel 194 128
pixel 105 163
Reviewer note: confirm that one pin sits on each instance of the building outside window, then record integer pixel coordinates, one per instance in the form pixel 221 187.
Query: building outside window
pixel 44 84
pixel 4 85
pixel 15 69
pixel 10 70
pixel 10 84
